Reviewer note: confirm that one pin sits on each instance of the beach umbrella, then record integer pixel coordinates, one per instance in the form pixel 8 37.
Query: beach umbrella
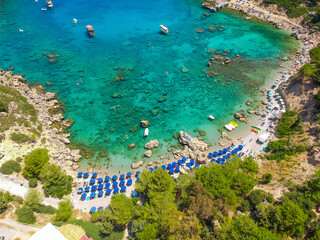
pixel 116 190
pixel 233 152
pixel 108 192
pixel 197 165
pixel 171 170
pixel 122 183
pixel 114 178
pixel 240 147
pixel 128 174
pixel 100 180
pixel 177 169
pixel 190 169
pixel 134 194
pixel 92 195
pixel 225 150
pixel 219 160
pixel 174 164
pixel 107 185
pixel 93 188
pixel 228 155
pixel 87 189
pixel 100 186
pixel 224 157
pixel 210 154
pixel 237 149
pixel 92 181
pixel 220 152
pixel 191 161
pixel 163 167
pixel 100 209
pixel 80 190
pixel 169 166
pixel 79 174
pixel 122 176
pixel 222 163
pixel 123 188
pixel 100 193
pixel 93 209
pixel 184 159
pixel 129 182
pixel 137 173
pixel 107 179
pixel 86 175
pixel 156 167
pixel 94 175
pixel 138 179
pixel 215 153
pixel 239 156
pixel 114 184
pixel 83 196
pixel 179 162
pixel 151 169
pixel 188 165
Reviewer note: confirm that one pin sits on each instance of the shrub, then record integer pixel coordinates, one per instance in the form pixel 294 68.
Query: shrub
pixel 10 167
pixel 34 162
pixel 45 209
pixel 25 215
pixel 19 137
pixel 3 107
pixel 266 178
pixel 33 182
pixel 64 212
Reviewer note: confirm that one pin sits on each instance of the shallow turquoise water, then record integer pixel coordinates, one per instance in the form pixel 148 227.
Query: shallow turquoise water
pixel 129 47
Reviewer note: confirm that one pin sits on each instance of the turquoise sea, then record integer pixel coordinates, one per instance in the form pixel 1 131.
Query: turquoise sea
pixel 130 71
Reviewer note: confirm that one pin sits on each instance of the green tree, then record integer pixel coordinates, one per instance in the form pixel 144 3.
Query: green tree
pixel 106 228
pixel 266 178
pixel 56 183
pixel 64 211
pixel 33 198
pixel 149 232
pixel 3 203
pixel 121 208
pixel 34 162
pixel 33 182
pixel 10 167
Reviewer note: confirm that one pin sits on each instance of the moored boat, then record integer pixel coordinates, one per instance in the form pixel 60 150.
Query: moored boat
pixel 211 117
pixel 164 29
pixel 90 30
pixel 49 3
pixel 146 132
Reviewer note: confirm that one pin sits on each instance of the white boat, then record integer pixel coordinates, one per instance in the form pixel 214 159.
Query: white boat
pixel 164 29
pixel 211 117
pixel 49 3
pixel 75 20
pixel 43 9
pixel 146 132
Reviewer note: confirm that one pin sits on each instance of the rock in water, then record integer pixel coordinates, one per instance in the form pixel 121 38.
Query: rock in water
pixel 136 164
pixel 148 153
pixel 192 143
pixel 152 144
pixel 131 146
pixel 145 123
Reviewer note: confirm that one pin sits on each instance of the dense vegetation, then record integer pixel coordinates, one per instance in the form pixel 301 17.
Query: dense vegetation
pixel 56 183
pixel 297 8
pixel 10 167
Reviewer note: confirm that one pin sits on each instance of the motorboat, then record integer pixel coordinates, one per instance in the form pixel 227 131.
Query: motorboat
pixel 211 117
pixel 49 3
pixel 146 132
pixel 90 30
pixel 43 9
pixel 75 20
pixel 164 29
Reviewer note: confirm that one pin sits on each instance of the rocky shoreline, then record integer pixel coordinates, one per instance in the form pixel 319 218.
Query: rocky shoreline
pixel 46 105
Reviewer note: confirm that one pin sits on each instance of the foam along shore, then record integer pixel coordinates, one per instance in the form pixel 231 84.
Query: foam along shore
pixel 55 140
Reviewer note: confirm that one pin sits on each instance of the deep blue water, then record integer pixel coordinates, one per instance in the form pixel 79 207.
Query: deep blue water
pixel 129 47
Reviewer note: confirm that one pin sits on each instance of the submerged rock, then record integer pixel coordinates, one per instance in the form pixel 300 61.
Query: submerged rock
pixel 148 153
pixel 136 165
pixel 131 146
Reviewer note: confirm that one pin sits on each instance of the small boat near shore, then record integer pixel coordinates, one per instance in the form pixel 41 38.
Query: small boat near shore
pixel 211 117
pixel 164 29
pixel 49 3
pixel 146 132
pixel 90 30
